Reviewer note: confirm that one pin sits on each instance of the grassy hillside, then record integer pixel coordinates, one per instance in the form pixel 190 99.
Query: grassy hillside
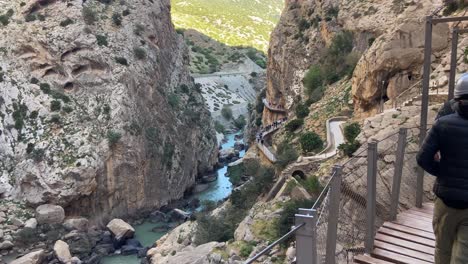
pixel 233 22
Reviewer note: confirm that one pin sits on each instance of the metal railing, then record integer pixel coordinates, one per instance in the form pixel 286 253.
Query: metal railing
pixel 342 223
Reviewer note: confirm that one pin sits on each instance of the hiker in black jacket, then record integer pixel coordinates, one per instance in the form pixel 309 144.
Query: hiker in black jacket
pixel 449 136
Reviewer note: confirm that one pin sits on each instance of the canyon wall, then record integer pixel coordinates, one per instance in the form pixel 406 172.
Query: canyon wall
pixel 98 111
pixel 388 43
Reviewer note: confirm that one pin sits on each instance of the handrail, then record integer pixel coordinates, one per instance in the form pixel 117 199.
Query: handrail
pixel 407 90
pixel 272 245
pixel 265 102
pixel 320 197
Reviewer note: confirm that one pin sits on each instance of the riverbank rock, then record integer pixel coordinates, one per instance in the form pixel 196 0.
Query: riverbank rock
pixel 179 215
pixel 158 216
pixel 50 214
pixel 31 223
pixel 120 229
pixel 80 224
pixel 131 247
pixel 62 252
pixel 189 255
pixel 5 245
pixel 35 257
pixel 210 178
pixel 227 155
pixel 200 188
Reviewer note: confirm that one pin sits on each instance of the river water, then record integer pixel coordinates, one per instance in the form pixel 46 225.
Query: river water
pixel 218 190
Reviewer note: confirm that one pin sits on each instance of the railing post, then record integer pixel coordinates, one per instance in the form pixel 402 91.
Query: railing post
pixel 306 237
pixel 400 157
pixel 424 104
pixel 371 195
pixel 453 63
pixel 334 212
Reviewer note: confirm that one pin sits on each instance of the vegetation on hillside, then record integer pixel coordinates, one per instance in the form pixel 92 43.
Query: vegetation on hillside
pixel 235 23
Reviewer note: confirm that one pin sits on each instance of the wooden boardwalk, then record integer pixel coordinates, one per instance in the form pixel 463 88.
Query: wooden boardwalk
pixel 409 239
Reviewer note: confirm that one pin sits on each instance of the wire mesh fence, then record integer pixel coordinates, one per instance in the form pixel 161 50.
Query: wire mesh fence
pixel 322 227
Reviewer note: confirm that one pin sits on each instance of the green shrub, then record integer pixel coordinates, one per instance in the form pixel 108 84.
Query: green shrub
pixel 313 79
pixel 246 249
pixel 67 109
pixel 89 15
pixel 240 122
pixel 286 154
pixel 139 53
pixel 290 208
pixel 5 18
pixel 349 148
pixel 351 131
pixel 294 124
pixel 34 114
pixel 310 142
pixel 173 100
pixel 121 60
pixel 184 88
pixel 55 106
pixel 235 174
pixel 30 17
pixel 302 110
pixel 168 153
pixel 226 112
pixel 117 19
pixel 55 119
pixel 219 127
pixel 66 22
pixel 37 155
pixel 113 137
pixel 34 80
pixel 19 114
pixel 126 12
pixel 312 185
pixel 139 28
pixel 253 74
pixel 102 40
pixel 45 88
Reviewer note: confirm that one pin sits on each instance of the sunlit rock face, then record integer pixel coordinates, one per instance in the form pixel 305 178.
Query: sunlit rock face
pixel 388 37
pixel 98 112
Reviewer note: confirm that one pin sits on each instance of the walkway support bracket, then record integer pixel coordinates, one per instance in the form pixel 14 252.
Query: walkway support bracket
pixel 306 237
pixel 400 157
pixel 334 212
pixel 371 195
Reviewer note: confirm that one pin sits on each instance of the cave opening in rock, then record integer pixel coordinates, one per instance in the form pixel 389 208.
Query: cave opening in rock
pixel 68 86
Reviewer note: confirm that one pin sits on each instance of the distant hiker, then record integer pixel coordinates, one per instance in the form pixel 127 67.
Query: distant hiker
pixel 450 136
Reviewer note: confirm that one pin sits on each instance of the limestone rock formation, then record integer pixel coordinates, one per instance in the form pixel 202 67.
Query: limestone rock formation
pixel 50 214
pixel 120 229
pixel 91 110
pixel 35 257
pixel 80 224
pixel 62 252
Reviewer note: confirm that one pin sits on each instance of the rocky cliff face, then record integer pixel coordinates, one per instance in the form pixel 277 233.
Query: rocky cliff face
pixel 97 107
pixel 388 37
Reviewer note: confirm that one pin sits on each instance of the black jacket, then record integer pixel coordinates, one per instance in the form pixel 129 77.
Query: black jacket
pixel 449 136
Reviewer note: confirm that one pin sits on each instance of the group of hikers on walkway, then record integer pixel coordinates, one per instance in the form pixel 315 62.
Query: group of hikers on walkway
pixel 263 130
pixel 444 155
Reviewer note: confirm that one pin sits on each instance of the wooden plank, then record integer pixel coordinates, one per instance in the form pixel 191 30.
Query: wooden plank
pixel 402 220
pixel 408 237
pixel 409 230
pixel 404 251
pixel 413 211
pixel 422 211
pixel 415 216
pixel 365 259
pixel 390 256
pixel 404 243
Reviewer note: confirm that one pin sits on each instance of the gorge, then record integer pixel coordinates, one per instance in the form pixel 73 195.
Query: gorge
pixel 139 131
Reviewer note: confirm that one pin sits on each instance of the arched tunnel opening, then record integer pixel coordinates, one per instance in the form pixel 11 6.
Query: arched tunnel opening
pixel 299 175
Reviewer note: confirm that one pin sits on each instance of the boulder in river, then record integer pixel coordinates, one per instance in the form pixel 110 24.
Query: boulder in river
pixel 200 188
pixel 80 224
pixel 50 214
pixel 35 257
pixel 179 215
pixel 120 229
pixel 210 178
pixel 62 252
pixel 131 247
pixel 158 217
